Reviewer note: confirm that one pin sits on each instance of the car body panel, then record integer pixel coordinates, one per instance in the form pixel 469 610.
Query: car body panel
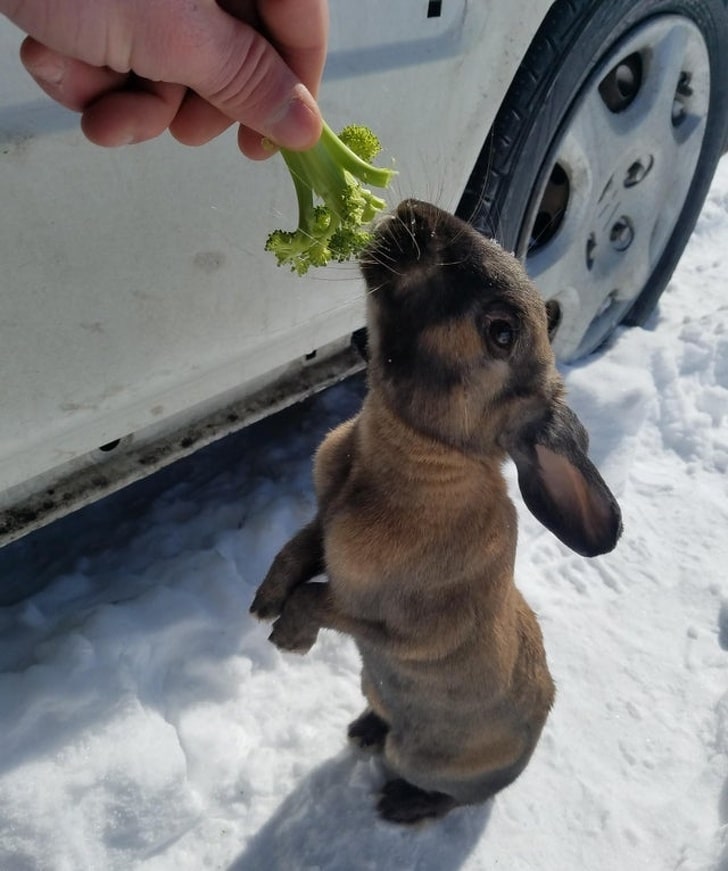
pixel 136 295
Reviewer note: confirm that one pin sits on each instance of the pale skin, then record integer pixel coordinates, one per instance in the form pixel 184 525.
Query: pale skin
pixel 135 68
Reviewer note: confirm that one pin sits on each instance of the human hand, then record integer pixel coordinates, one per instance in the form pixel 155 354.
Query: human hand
pixel 135 68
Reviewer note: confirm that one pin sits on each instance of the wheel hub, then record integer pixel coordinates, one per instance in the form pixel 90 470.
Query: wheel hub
pixel 617 179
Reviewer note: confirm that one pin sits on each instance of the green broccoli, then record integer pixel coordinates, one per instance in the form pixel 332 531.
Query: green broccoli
pixel 332 171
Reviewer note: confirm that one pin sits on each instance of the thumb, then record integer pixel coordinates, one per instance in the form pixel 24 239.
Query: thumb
pixel 235 69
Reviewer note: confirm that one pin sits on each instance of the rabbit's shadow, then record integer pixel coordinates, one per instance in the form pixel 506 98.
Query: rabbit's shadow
pixel 329 823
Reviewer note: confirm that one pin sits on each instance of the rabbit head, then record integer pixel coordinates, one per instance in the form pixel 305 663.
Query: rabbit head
pixel 459 349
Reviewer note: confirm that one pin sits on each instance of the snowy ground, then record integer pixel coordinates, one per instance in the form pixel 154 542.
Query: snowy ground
pixel 146 723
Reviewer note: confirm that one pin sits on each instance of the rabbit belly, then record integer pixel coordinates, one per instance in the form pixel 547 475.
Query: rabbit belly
pixel 452 735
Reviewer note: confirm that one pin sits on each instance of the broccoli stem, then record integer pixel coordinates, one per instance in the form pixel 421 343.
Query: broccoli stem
pixel 304 194
pixel 316 170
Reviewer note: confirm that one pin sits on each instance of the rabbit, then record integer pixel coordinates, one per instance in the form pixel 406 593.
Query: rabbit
pixel 414 526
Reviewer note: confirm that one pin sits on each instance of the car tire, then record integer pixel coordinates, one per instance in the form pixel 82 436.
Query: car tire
pixel 602 154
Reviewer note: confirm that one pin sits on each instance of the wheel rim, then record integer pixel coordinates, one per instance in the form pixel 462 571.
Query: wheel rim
pixel 614 185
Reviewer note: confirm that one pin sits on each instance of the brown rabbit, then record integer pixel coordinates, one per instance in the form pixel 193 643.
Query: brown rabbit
pixel 415 529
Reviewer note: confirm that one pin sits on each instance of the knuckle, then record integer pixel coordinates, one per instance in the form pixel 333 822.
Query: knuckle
pixel 243 83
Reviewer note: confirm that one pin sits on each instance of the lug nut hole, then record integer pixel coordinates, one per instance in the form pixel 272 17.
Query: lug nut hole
pixel 622 233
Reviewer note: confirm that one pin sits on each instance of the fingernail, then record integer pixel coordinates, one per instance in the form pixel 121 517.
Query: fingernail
pixel 297 124
pixel 49 71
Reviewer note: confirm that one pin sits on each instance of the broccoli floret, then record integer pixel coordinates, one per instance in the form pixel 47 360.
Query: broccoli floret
pixel 361 141
pixel 332 171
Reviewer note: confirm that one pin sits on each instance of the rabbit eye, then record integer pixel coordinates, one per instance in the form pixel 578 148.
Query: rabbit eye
pixel 500 334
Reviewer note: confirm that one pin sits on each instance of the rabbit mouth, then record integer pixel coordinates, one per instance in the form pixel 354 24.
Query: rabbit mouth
pixel 404 242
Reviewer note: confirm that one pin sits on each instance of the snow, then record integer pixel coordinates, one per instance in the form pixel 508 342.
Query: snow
pixel 148 724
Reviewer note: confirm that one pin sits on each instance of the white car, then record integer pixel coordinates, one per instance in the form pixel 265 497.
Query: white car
pixel 140 317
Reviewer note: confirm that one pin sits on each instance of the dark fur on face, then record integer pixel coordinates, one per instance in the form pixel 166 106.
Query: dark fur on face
pixel 455 323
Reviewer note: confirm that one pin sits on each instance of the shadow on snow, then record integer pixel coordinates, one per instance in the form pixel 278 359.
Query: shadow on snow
pixel 329 822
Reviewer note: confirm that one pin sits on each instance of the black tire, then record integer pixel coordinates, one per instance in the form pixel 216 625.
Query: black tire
pixel 506 185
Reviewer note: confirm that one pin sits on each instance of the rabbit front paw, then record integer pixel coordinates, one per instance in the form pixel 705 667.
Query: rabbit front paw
pixel 268 602
pixel 296 630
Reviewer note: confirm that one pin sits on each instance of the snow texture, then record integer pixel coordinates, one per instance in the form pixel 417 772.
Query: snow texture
pixel 147 723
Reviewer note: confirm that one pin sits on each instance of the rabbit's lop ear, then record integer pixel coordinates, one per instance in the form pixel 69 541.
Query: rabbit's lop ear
pixel 561 486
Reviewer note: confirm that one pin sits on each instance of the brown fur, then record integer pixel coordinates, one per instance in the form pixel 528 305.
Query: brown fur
pixel 415 529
